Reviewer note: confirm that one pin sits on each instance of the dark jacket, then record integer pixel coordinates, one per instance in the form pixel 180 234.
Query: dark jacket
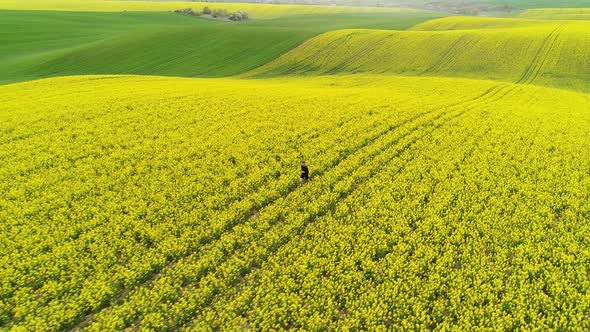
pixel 304 172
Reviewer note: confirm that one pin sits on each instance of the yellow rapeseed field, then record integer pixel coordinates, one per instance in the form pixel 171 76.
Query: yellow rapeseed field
pixel 167 203
pixel 553 53
pixel 260 11
pixel 449 186
pixel 484 23
pixel 558 13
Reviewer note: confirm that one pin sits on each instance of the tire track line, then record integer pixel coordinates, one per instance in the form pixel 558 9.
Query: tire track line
pixel 489 92
pixel 204 252
pixel 246 216
pixel 534 68
pixel 218 234
pixel 446 57
pixel 185 231
pixel 492 97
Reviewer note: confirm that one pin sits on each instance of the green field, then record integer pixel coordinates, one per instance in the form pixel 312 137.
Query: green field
pixel 42 44
pixel 150 168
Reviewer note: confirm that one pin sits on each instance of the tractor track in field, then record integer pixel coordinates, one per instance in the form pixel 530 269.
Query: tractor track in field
pixel 88 318
pixel 270 246
pixel 467 154
pixel 153 275
pixel 233 200
pixel 446 57
pixel 300 66
pixel 292 189
pixel 542 55
pixel 488 95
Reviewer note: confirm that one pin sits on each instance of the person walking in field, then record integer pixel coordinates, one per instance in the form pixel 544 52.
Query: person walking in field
pixel 304 172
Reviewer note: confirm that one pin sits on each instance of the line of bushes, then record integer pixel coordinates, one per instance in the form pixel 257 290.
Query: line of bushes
pixel 216 13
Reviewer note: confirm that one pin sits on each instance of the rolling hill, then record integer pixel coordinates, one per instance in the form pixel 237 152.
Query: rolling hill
pixel 481 23
pixel 40 44
pixel 551 53
pixel 558 13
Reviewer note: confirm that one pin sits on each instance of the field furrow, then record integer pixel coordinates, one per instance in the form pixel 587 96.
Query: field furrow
pixel 237 241
pixel 544 52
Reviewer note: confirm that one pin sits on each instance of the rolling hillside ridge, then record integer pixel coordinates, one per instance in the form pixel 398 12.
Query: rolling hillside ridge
pixel 551 54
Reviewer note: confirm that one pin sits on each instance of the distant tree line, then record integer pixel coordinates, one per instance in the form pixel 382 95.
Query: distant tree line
pixel 216 13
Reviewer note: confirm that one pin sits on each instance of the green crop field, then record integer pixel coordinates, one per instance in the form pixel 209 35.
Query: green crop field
pixel 42 44
pixel 150 168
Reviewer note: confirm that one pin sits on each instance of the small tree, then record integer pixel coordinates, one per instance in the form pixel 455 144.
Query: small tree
pixel 207 11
